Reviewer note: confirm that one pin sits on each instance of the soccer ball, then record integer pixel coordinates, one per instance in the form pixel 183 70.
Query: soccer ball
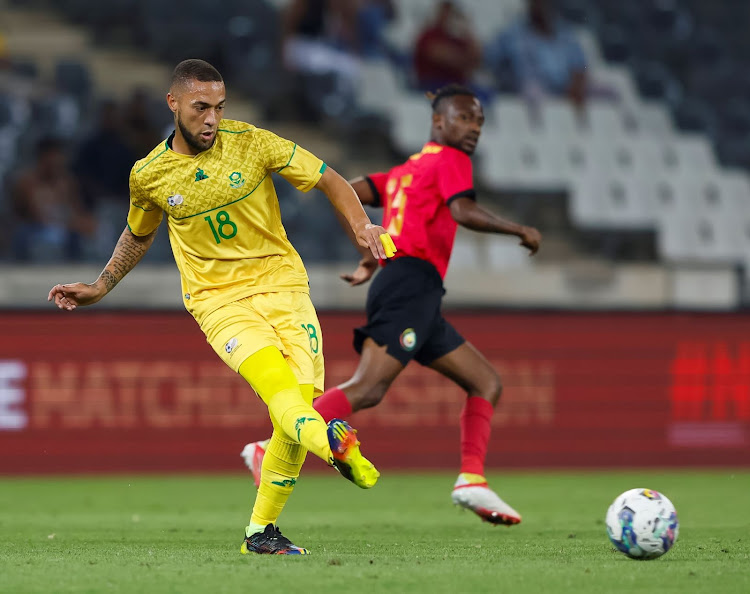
pixel 642 523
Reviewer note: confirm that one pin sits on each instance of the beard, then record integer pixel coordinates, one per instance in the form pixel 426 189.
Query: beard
pixel 194 141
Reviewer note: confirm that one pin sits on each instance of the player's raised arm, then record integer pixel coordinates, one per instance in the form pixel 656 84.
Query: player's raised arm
pixel 467 213
pixel 128 252
pixel 347 202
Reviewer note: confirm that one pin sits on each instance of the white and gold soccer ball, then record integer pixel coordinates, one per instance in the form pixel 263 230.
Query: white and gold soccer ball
pixel 642 523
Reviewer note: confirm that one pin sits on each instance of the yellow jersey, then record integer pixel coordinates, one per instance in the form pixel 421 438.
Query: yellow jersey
pixel 223 213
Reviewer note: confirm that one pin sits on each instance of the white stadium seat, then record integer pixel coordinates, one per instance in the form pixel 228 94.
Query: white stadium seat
pixel 378 90
pixel 702 219
pixel 504 253
pixel 528 162
pixel 511 116
pixel 466 253
pixel 411 118
pixel 605 120
pixel 653 118
pixel 559 119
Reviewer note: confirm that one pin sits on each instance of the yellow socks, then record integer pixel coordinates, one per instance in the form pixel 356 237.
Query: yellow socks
pixel 274 381
pixel 301 422
pixel 297 429
pixel 281 467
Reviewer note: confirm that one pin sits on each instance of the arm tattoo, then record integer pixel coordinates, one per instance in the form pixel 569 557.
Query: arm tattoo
pixel 109 279
pixel 128 252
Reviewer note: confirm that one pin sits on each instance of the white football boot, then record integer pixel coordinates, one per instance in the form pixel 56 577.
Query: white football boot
pixel 253 454
pixel 471 492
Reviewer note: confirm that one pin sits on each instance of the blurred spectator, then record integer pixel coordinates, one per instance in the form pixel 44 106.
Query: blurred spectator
pixel 50 214
pixel 141 133
pixel 447 51
pixel 372 18
pixel 4 55
pixel 538 55
pixel 104 159
pixel 320 38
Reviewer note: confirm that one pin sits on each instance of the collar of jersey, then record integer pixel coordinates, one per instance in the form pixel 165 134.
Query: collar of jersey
pixel 168 144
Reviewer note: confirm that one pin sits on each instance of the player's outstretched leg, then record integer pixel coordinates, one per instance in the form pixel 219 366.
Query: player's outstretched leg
pixel 270 542
pixel 472 492
pixel 253 454
pixel 347 458
pixel 468 368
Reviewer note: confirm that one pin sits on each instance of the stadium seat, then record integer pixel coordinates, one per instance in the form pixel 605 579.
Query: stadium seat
pixel 694 154
pixel 654 118
pixel 620 80
pixel 610 201
pixel 703 222
pixel 466 253
pixel 378 90
pixel 512 117
pixel 490 17
pixel 529 162
pixel 559 119
pixel 411 120
pixel 504 253
pixel 605 121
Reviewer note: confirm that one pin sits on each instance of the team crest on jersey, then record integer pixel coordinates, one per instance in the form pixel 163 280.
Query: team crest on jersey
pixel 175 200
pixel 408 339
pixel 236 180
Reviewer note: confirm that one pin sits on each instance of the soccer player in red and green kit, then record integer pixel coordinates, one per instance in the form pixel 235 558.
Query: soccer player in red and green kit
pixel 424 201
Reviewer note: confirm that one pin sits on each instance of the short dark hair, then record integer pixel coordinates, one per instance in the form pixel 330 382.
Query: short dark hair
pixel 194 69
pixel 446 92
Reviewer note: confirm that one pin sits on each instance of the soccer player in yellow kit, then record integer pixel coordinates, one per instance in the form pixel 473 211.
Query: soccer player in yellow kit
pixel 242 280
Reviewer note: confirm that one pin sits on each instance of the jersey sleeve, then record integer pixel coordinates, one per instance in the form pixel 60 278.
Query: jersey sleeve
pixel 298 166
pixel 377 182
pixel 144 216
pixel 455 176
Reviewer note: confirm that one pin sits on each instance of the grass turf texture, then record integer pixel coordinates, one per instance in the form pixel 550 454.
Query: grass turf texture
pixel 182 534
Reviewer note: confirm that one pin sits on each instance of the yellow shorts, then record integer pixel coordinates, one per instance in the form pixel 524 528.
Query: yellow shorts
pixel 286 320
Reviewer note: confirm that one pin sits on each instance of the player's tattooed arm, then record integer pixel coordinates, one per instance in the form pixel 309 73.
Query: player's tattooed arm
pixel 128 252
pixel 467 213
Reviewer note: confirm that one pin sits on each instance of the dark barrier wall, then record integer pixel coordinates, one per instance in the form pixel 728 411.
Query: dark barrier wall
pixel 144 392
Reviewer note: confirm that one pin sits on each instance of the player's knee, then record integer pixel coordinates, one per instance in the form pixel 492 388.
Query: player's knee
pixel 491 388
pixel 496 388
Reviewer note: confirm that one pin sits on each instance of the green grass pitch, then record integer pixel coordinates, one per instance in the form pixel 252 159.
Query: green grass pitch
pixel 182 534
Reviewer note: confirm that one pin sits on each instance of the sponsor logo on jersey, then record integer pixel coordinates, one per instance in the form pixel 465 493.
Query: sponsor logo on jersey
pixel 200 175
pixel 408 339
pixel 236 180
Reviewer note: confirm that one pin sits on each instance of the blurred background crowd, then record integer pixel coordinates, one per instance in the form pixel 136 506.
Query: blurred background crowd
pixel 620 129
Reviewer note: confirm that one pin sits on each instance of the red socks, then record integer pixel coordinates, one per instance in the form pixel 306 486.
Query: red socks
pixel 332 404
pixel 475 434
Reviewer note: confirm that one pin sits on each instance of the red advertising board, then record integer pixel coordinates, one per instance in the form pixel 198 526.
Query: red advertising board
pixel 108 392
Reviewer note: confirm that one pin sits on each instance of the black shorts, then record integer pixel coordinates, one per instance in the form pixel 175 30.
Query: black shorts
pixel 403 313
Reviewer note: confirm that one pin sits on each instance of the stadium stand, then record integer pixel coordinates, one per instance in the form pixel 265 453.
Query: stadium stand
pixel 662 146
